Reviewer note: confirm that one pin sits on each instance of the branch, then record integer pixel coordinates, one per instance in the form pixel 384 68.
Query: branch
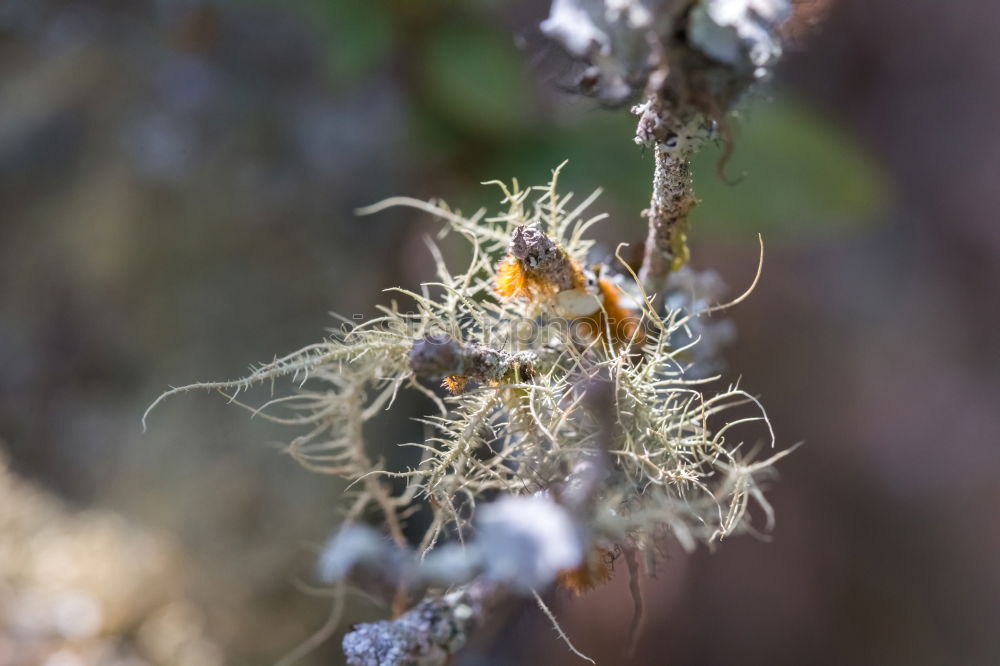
pixel 673 196
pixel 439 356
pixel 428 635
pixel 692 61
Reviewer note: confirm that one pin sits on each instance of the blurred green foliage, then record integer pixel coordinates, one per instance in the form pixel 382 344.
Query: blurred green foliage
pixel 797 173
pixel 473 111
pixel 473 77
pixel 358 36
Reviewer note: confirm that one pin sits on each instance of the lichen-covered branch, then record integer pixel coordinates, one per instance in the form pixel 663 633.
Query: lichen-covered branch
pixel 537 269
pixel 561 454
pixel 692 61
pixel 666 243
pixel 551 454
pixel 672 200
pixel 522 544
pixel 441 357
pixel 428 635
pixel 542 256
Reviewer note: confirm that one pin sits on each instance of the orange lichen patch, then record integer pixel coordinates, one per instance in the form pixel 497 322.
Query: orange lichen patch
pixel 516 280
pixel 613 318
pixel 595 571
pixel 579 279
pixel 455 384
pixel 511 281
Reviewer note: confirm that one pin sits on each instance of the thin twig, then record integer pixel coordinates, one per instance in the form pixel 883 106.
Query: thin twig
pixel 559 630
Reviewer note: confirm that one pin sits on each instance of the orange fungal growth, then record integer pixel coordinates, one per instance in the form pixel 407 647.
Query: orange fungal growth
pixel 511 281
pixel 455 384
pixel 613 318
pixel 536 268
pixel 516 280
pixel 596 570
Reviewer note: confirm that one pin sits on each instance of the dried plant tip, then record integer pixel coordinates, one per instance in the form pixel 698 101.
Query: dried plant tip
pixel 543 255
pixel 536 267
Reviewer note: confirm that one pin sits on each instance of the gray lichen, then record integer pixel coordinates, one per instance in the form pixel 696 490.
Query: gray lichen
pixel 554 448
pixel 523 480
pixel 739 33
pixel 427 635
pixel 439 356
pixel 520 543
pixel 710 49
pixel 527 541
pixel 691 62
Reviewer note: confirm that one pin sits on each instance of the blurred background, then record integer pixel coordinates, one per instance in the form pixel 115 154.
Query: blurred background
pixel 177 181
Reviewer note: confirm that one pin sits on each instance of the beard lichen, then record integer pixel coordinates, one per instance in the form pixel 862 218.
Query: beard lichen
pixel 616 430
